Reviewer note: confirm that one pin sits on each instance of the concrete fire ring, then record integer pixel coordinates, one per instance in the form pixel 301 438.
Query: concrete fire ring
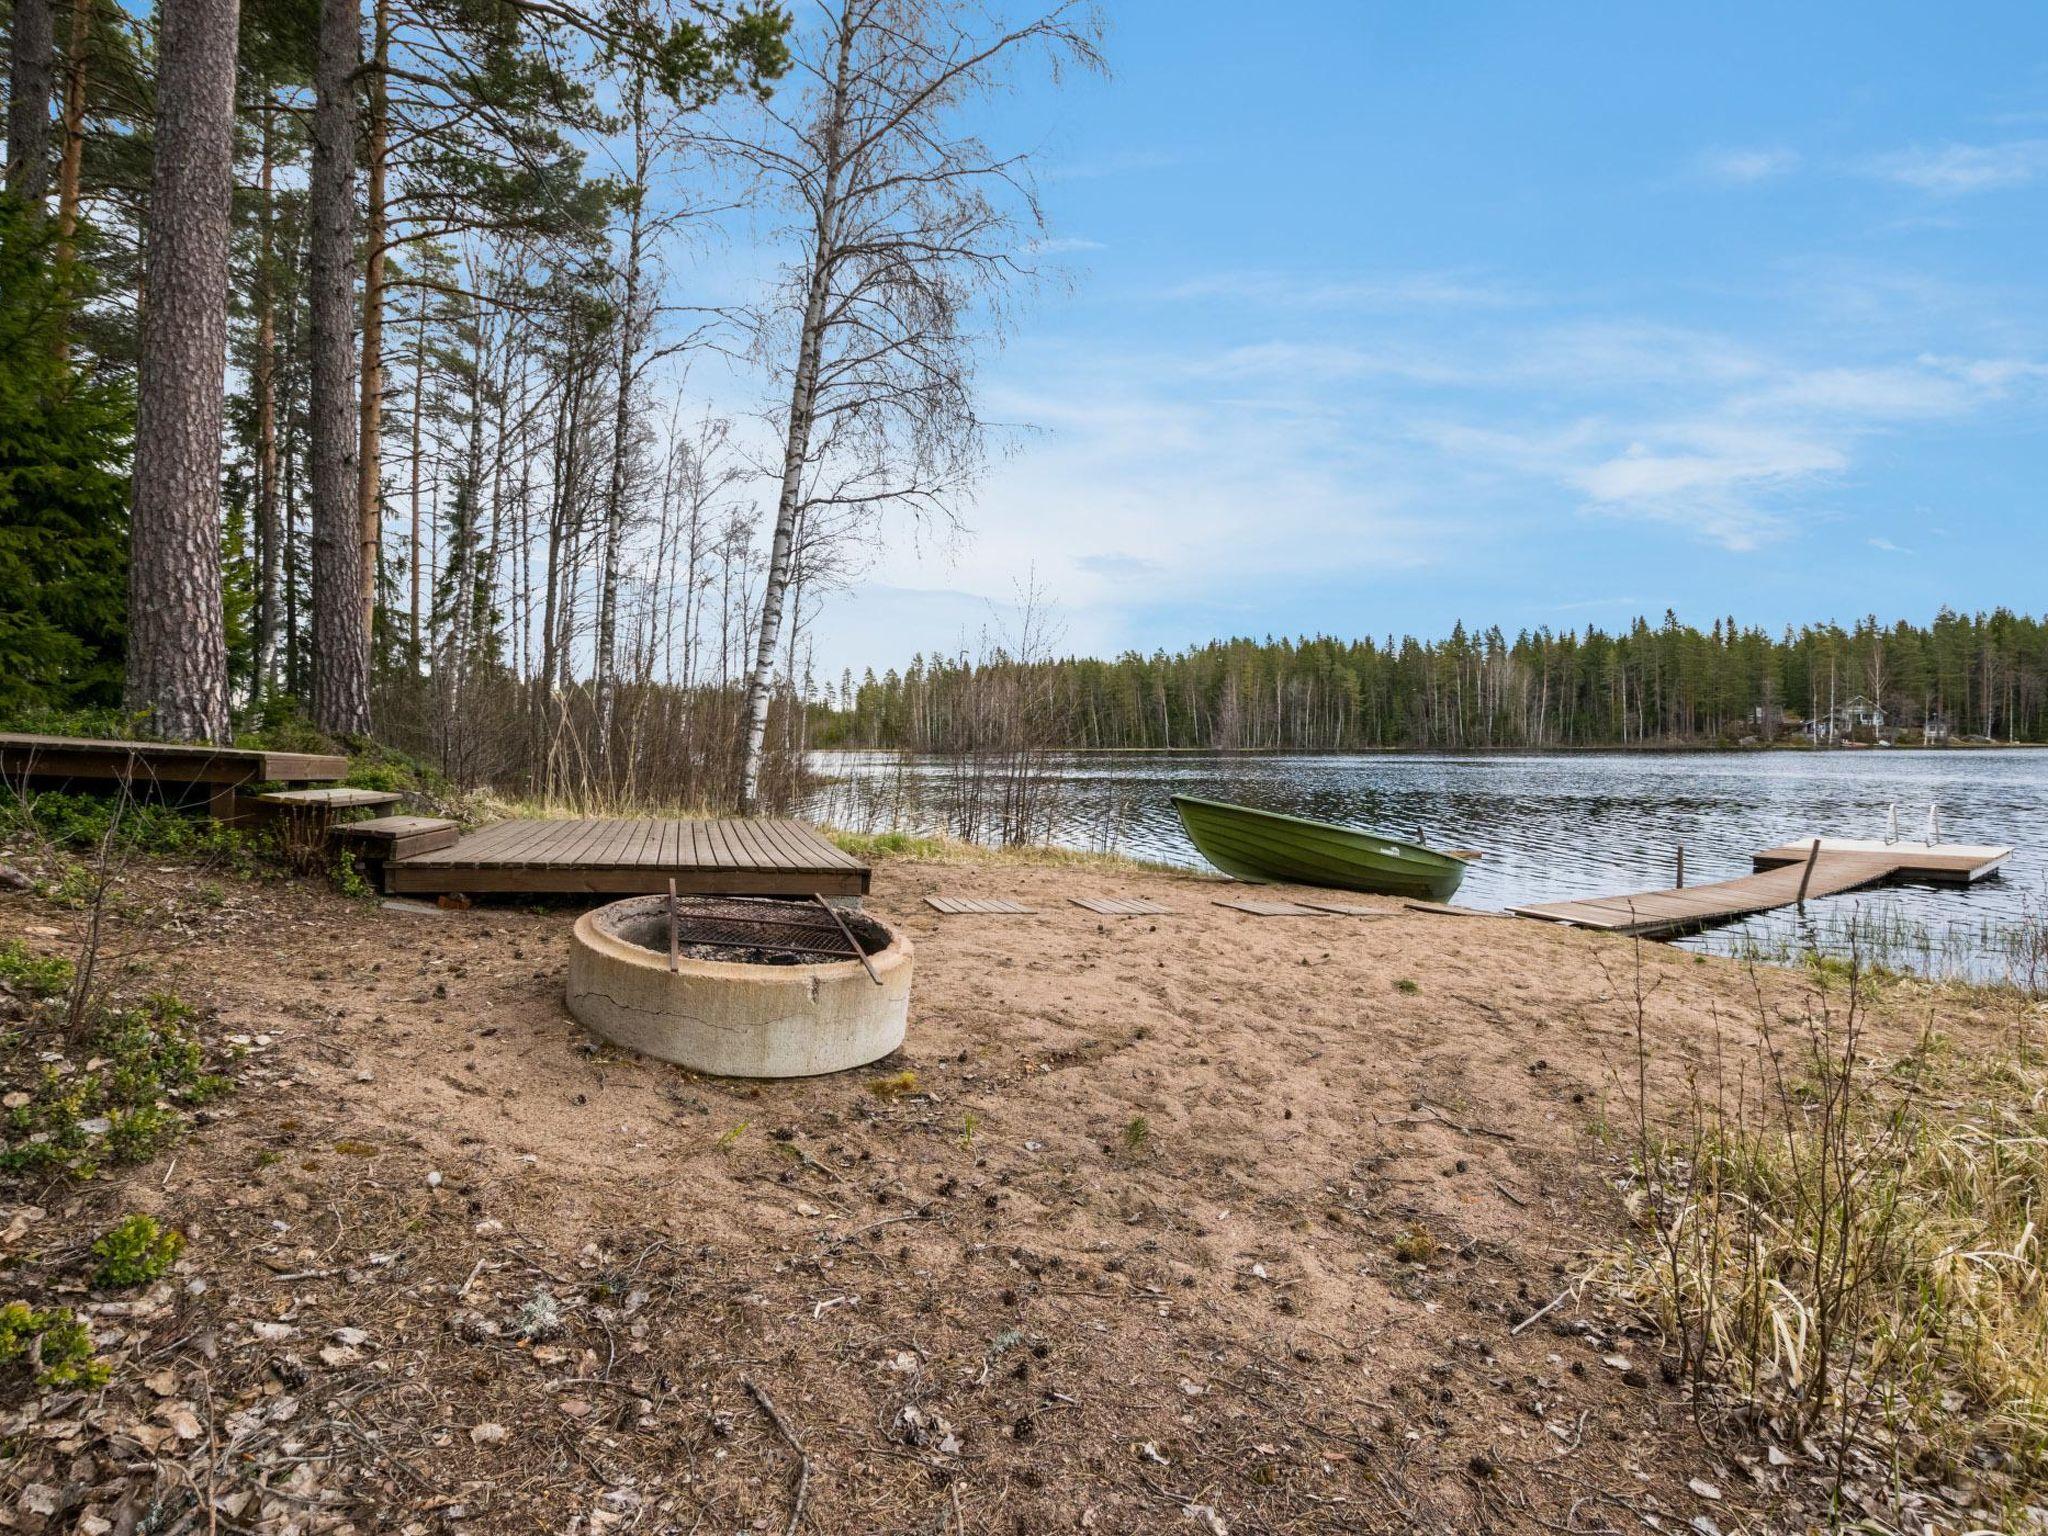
pixel 729 1019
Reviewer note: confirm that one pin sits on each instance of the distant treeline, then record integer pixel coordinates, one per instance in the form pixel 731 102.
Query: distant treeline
pixel 1981 675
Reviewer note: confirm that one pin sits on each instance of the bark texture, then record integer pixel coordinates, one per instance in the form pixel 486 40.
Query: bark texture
pixel 177 651
pixel 31 74
pixel 341 640
pixel 269 533
pixel 370 487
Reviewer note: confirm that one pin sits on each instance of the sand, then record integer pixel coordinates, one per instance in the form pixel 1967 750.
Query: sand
pixel 1202 1221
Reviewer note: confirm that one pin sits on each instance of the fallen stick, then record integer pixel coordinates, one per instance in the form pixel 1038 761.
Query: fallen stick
pixel 1544 1311
pixel 1456 1125
pixel 803 1476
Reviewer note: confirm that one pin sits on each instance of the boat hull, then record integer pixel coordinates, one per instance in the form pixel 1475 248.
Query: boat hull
pixel 1269 848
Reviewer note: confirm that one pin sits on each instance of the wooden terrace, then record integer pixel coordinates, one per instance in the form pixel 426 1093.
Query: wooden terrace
pixel 179 773
pixel 728 856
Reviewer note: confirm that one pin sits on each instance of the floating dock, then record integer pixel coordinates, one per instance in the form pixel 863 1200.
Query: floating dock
pixel 729 856
pixel 1786 876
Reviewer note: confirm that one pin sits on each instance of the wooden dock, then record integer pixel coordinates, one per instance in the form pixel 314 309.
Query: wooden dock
pixel 633 857
pixel 182 774
pixel 1783 879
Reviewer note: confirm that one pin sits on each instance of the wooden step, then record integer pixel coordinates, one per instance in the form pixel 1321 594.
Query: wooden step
pixel 334 799
pixel 398 837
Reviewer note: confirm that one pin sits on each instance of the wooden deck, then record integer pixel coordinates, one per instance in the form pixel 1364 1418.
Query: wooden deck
pixel 729 857
pixel 1843 864
pixel 167 770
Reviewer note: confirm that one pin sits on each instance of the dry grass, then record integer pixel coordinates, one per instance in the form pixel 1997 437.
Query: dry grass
pixel 952 851
pixel 1843 1249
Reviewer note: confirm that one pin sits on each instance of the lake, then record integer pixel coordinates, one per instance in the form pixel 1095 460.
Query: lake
pixel 1569 824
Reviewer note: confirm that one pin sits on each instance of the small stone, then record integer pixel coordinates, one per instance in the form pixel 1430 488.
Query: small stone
pixel 434 1180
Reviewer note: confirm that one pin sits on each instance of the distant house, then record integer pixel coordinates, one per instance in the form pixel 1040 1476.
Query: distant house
pixel 1936 729
pixel 1845 720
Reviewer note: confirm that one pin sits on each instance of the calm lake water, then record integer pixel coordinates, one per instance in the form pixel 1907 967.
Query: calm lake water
pixel 1578 824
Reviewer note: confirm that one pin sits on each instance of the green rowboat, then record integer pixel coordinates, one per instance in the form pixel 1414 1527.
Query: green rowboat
pixel 1268 847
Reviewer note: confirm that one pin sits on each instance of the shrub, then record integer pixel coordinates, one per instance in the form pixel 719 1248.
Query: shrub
pixel 37 975
pixel 57 1340
pixel 135 1253
pixel 146 1068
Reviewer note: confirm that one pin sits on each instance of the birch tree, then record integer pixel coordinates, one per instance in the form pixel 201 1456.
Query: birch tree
pixel 177 648
pixel 911 233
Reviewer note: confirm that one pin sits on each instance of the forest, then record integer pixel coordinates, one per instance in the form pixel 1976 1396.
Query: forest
pixel 500 380
pixel 1962 676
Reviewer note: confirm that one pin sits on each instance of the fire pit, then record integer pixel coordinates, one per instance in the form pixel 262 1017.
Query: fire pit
pixel 741 986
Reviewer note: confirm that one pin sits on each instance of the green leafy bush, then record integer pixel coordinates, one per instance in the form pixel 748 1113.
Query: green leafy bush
pixel 37 975
pixel 58 1341
pixel 147 1069
pixel 135 1253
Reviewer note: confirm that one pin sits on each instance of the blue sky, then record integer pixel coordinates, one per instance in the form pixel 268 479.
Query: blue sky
pixel 1385 316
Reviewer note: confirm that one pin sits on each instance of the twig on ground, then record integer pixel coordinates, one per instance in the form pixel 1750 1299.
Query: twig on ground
pixel 803 1476
pixel 1545 1310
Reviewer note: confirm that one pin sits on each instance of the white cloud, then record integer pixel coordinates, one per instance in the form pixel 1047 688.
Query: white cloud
pixel 1888 546
pixel 1743 166
pixel 1953 169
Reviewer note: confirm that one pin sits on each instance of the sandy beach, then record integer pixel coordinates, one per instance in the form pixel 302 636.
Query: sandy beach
pixel 1198 1221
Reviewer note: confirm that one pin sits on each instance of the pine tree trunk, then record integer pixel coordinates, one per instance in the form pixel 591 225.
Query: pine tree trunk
pixel 371 474
pixel 269 536
pixel 71 159
pixel 31 73
pixel 177 649
pixel 341 641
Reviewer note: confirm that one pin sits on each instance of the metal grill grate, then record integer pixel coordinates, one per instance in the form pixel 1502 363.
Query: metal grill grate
pixel 783 926
pixel 764 925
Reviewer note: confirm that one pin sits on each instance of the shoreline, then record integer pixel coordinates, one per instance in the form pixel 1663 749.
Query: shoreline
pixel 1674 749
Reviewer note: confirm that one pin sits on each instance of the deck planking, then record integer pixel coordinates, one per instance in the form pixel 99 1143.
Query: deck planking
pixel 635 856
pixel 1782 876
pixel 180 772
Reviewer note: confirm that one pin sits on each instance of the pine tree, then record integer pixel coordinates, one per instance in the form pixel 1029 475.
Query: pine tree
pixel 64 441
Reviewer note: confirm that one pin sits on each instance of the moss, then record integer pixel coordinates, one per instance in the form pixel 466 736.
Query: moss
pixel 135 1252
pixel 1417 1245
pixel 893 1087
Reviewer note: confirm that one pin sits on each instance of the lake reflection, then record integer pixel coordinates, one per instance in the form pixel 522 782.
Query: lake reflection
pixel 1577 824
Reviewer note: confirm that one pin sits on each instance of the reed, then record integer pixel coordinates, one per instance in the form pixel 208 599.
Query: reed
pixel 1841 1248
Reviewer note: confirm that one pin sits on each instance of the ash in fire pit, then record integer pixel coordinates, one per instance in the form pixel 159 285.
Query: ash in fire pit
pixel 747 930
pixel 748 987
